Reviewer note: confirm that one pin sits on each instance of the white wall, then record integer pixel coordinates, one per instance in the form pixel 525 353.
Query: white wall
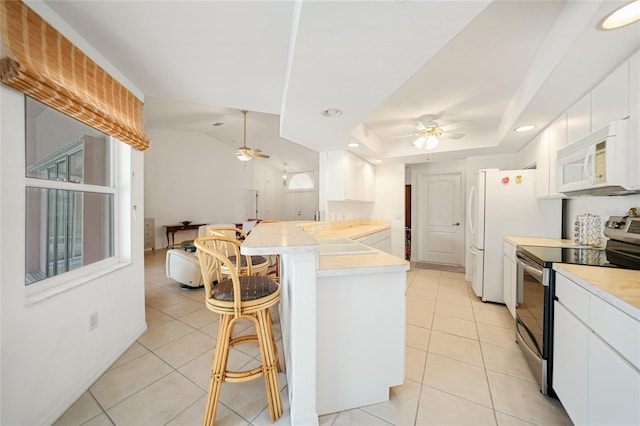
pixel 349 210
pixel 49 357
pixel 602 206
pixel 389 204
pixel 191 176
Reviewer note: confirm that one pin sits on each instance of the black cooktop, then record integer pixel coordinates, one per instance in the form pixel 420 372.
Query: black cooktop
pixel 616 254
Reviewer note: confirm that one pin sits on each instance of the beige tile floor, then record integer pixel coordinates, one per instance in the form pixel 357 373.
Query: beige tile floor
pixel 462 366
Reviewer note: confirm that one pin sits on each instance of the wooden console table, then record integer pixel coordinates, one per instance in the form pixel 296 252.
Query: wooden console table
pixel 172 229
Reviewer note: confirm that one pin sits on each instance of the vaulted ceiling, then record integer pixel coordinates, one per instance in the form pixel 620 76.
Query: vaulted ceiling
pixel 488 66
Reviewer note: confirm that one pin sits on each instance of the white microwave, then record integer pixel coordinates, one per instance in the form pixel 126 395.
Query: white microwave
pixel 598 164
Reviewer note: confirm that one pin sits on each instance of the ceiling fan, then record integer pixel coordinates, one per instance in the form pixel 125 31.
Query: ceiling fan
pixel 429 132
pixel 244 152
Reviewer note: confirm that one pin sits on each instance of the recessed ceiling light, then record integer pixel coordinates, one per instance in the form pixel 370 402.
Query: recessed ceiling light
pixel 624 16
pixel 377 161
pixel 524 128
pixel 332 112
pixel 217 124
pixel 353 144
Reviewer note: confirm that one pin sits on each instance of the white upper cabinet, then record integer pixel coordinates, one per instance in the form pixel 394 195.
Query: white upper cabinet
pixel 542 163
pixel 615 98
pixel 528 157
pixel 349 177
pixel 610 99
pixel 579 119
pixel 557 141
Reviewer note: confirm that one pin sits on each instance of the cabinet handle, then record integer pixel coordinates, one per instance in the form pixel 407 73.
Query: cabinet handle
pixel 456 224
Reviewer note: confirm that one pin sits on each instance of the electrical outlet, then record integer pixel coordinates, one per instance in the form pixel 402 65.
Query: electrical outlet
pixel 93 321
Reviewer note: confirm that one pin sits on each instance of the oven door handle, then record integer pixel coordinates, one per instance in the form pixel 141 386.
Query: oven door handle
pixel 536 272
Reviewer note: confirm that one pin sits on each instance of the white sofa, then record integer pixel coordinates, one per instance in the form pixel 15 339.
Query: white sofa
pixel 184 267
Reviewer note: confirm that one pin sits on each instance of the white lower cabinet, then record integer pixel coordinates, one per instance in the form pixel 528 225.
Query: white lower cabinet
pixel 570 349
pixel 379 240
pixel 614 387
pixel 510 278
pixel 595 382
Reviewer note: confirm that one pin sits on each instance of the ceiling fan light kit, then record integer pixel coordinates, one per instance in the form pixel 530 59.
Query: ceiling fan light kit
pixel 243 157
pixel 245 153
pixel 428 137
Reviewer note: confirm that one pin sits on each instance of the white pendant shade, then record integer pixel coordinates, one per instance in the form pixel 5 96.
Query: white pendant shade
pixel 432 142
pixel 419 143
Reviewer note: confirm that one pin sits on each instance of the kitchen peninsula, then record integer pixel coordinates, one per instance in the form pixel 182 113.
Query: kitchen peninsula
pixel 342 317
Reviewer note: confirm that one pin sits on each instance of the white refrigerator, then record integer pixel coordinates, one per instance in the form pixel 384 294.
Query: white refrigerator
pixel 501 203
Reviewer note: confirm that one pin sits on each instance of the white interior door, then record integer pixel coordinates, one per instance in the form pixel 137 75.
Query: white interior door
pixel 251 204
pixel 441 219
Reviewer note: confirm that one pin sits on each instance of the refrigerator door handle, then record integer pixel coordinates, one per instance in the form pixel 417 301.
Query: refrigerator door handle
pixel 472 196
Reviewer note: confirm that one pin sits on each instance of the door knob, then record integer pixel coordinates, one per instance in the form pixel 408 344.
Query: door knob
pixel 456 224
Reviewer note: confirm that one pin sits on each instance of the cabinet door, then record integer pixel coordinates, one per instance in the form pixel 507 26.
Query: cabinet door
pixel 510 277
pixel 570 363
pixel 507 289
pixel 336 175
pixel 579 120
pixel 369 181
pixel 351 176
pixel 614 387
pixel 557 140
pixel 358 179
pixel 542 164
pixel 610 99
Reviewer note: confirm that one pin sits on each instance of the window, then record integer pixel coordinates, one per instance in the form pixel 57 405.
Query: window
pixel 301 182
pixel 70 194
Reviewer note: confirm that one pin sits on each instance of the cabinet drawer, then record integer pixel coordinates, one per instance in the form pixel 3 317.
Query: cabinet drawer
pixel 573 297
pixel 618 329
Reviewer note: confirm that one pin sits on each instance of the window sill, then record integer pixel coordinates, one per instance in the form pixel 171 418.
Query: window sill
pixel 47 289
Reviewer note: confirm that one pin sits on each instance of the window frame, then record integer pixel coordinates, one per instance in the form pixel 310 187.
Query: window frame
pixel 45 288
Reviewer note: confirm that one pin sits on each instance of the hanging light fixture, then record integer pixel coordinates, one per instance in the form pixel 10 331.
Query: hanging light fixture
pixel 244 152
pixel 243 157
pixel 432 142
pixel 429 137
pixel 284 174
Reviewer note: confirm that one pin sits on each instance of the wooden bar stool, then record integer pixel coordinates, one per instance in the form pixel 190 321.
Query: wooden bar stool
pixel 249 265
pixel 233 298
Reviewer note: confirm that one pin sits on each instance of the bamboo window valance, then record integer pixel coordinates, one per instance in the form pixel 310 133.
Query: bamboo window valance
pixel 45 65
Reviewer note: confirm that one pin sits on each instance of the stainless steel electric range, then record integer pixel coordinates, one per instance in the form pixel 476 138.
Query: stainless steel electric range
pixel 536 288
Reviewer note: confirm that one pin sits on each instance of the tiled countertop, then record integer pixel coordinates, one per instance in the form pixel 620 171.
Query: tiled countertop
pixel 289 236
pixel 619 287
pixel 535 241
pixel 351 229
pixel 360 264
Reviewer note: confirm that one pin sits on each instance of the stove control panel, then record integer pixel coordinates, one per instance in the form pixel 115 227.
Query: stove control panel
pixel 623 228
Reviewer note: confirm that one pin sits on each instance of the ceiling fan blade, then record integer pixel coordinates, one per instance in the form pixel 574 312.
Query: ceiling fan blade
pixel 259 154
pixel 426 119
pixel 415 135
pixel 450 135
pixel 456 125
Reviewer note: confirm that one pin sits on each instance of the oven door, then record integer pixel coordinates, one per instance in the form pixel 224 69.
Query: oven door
pixel 533 318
